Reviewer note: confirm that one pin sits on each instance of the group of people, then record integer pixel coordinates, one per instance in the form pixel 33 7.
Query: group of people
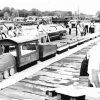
pixel 11 31
pixel 81 28
pixel 15 31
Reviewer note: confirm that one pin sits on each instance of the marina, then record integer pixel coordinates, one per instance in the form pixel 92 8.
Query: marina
pixel 47 55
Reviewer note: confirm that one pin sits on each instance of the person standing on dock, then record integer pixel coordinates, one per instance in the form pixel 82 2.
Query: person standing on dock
pixel 80 29
pixel 94 65
pixel 70 27
pixel 90 66
pixel 40 32
pixel 20 32
pixel 86 28
pixel 92 27
pixel 43 35
pixel 77 28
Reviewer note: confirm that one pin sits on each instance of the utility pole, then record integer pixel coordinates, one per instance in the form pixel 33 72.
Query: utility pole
pixel 78 16
pixel 78 13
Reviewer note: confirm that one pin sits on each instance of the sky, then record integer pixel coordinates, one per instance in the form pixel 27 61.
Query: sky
pixel 84 6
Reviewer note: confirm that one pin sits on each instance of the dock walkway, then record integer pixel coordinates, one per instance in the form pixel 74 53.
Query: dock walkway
pixel 62 70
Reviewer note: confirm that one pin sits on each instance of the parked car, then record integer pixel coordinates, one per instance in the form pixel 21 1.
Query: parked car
pixel 56 31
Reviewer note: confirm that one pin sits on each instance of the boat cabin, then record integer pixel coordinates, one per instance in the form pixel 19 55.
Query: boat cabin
pixel 24 49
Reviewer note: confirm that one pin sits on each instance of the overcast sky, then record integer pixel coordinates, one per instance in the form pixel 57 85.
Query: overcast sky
pixel 85 6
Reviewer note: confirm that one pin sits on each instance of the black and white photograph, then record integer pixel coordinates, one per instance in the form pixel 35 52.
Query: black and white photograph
pixel 49 50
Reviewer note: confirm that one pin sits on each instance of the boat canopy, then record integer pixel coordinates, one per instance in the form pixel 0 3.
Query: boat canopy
pixel 18 40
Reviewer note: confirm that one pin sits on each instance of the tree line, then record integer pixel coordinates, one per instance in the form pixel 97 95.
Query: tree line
pixel 7 12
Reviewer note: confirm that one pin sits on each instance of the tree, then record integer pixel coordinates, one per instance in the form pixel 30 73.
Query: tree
pixel 1 13
pixel 14 13
pixel 69 13
pixel 6 9
pixel 98 14
pixel 35 12
pixel 23 13
pixel 48 13
pixel 6 15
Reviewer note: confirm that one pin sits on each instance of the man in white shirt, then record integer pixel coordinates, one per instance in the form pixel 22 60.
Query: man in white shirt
pixel 43 35
pixel 92 67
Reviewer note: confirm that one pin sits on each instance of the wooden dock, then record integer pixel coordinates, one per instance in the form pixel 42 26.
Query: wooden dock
pixel 62 70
